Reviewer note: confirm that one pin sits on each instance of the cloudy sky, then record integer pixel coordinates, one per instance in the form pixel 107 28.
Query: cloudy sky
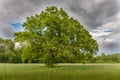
pixel 100 17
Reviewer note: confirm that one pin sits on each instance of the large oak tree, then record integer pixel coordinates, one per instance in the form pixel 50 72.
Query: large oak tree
pixel 52 36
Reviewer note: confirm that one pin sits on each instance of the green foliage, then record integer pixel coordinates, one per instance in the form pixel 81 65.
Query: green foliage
pixel 16 56
pixel 110 58
pixel 53 37
pixel 8 54
pixel 6 49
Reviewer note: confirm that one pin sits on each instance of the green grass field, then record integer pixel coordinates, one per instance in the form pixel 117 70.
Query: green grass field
pixel 60 72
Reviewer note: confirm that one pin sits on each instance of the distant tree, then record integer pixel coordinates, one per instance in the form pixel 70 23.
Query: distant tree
pixel 53 37
pixel 118 57
pixel 1 49
pixel 6 50
pixel 108 58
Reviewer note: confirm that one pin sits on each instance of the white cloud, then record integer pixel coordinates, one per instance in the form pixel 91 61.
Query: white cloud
pixel 108 36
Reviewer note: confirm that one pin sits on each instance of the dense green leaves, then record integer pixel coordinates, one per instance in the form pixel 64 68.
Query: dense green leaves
pixel 8 52
pixel 110 58
pixel 53 36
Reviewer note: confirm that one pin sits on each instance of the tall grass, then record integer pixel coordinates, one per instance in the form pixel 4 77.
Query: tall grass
pixel 60 72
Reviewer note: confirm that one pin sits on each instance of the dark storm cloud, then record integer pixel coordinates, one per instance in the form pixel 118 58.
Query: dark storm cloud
pixel 110 47
pixel 6 32
pixel 94 13
pixel 17 9
pixel 13 11
pixel 108 36
pixel 91 12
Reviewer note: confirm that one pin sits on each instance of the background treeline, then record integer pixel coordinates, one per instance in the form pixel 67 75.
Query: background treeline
pixel 108 58
pixel 9 53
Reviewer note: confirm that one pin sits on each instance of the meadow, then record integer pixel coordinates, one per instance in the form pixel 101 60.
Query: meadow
pixel 60 72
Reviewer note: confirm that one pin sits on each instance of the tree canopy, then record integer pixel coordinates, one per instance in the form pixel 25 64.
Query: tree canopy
pixel 6 50
pixel 52 36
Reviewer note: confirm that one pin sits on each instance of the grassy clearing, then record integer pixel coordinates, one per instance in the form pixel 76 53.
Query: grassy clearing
pixel 60 72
